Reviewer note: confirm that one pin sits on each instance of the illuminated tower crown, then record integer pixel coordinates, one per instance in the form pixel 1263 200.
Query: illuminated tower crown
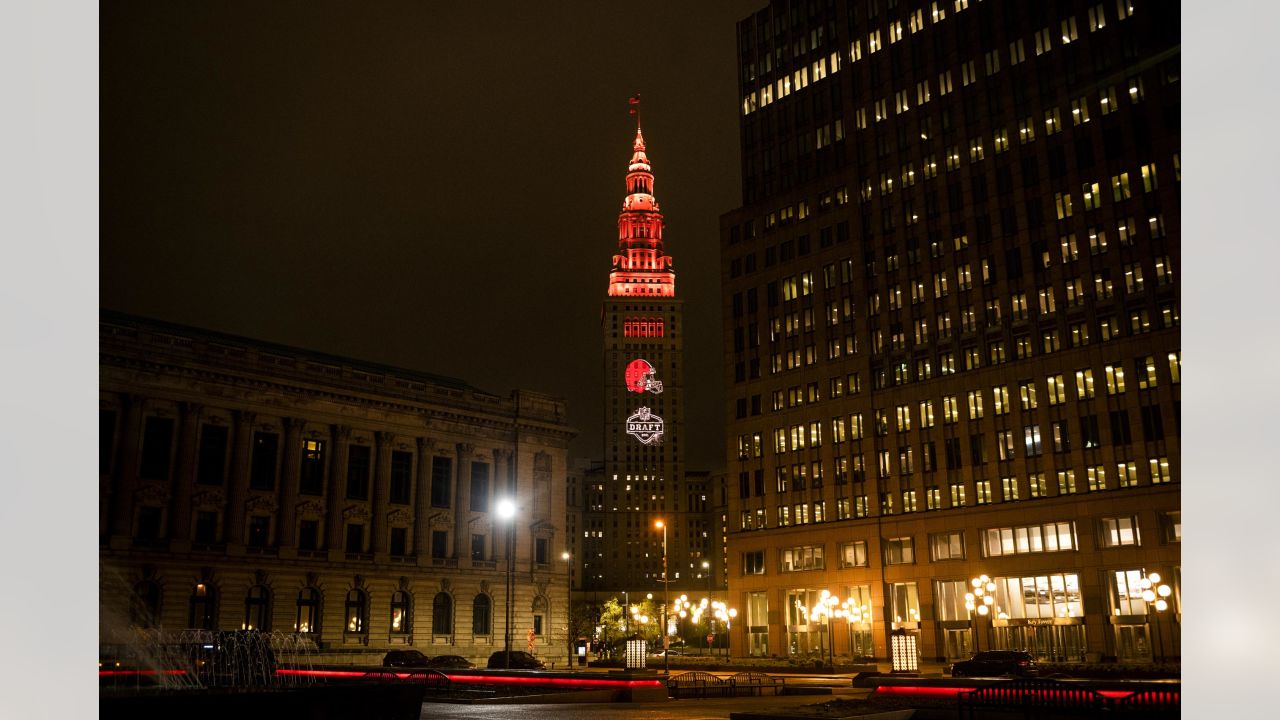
pixel 640 269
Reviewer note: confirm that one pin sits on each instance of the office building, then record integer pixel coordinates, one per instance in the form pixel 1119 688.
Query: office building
pixel 951 329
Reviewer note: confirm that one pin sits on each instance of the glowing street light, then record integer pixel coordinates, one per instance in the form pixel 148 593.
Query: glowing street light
pixel 980 600
pixel 1154 593
pixel 506 510
pixel 666 639
pixel 568 602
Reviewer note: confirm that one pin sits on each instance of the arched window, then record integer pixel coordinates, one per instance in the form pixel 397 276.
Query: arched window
pixel 308 620
pixel 357 605
pixel 144 604
pixel 481 615
pixel 203 607
pixel 257 607
pixel 401 612
pixel 442 614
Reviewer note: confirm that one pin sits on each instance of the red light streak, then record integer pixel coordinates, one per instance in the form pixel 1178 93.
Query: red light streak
pixel 487 679
pixel 930 691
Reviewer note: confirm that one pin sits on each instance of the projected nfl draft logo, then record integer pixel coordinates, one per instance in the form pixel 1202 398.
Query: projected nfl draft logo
pixel 645 427
pixel 641 377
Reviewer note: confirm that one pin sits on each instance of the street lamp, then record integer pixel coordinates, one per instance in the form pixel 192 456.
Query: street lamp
pixel 981 600
pixel 1154 593
pixel 666 639
pixel 826 609
pixel 568 602
pixel 507 512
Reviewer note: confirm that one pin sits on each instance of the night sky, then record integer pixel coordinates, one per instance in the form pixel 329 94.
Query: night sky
pixel 428 185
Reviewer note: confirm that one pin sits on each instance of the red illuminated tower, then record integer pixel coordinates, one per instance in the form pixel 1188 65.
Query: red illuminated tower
pixel 643 477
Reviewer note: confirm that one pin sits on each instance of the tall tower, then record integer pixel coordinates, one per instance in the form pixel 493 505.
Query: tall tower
pixel 643 480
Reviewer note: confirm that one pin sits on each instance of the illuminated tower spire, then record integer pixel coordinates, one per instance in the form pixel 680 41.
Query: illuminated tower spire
pixel 640 268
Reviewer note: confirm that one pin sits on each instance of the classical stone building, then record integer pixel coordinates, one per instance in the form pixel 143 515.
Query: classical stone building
pixel 951 328
pixel 249 485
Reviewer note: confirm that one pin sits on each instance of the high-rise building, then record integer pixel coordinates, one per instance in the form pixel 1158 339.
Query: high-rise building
pixel 951 329
pixel 644 473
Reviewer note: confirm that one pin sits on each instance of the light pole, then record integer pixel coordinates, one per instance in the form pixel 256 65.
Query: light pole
pixel 981 600
pixel 825 607
pixel 568 602
pixel 507 513
pixel 1154 593
pixel 666 641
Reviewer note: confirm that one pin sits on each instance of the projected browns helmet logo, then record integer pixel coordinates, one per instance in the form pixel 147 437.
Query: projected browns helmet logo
pixel 641 377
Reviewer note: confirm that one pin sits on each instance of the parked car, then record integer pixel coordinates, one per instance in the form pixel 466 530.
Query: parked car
pixel 990 663
pixel 449 661
pixel 519 660
pixel 405 658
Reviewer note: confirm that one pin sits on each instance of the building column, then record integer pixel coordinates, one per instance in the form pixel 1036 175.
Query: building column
pixel 184 478
pixel 291 469
pixel 422 502
pixel 125 480
pixel 462 513
pixel 381 488
pixel 238 488
pixel 337 489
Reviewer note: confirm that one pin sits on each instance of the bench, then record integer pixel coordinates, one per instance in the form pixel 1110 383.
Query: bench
pixel 1154 703
pixel 1034 698
pixel 755 683
pixel 698 684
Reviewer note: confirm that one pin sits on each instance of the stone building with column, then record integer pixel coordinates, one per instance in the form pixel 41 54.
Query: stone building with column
pixel 247 485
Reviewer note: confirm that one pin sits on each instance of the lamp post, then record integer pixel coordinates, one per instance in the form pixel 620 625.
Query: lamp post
pixel 826 608
pixel 568 602
pixel 666 641
pixel 980 600
pixel 507 513
pixel 1154 593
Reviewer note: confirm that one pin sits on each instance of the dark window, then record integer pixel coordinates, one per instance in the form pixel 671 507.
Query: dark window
pixel 259 530
pixel 753 563
pixel 144 604
pixel 401 476
pixel 308 619
pixel 206 527
pixel 1089 434
pixel 441 481
pixel 311 477
pixel 358 472
pixel 479 487
pixel 106 440
pixel 537 624
pixel 541 549
pixel 758 481
pixel 976 450
pixel 442 614
pixel 309 535
pixel 399 541
pixel 952 449
pixel 477 547
pixel 257 608
pixel 1120 434
pixel 744 484
pixel 157 441
pixel 262 475
pixel 356 608
pixel 148 524
pixel 203 612
pixel 211 466
pixel 481 615
pixel 401 612
pixel 355 538
pixel 439 543
pixel 1152 423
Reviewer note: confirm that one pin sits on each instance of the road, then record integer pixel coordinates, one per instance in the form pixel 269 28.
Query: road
pixel 708 709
